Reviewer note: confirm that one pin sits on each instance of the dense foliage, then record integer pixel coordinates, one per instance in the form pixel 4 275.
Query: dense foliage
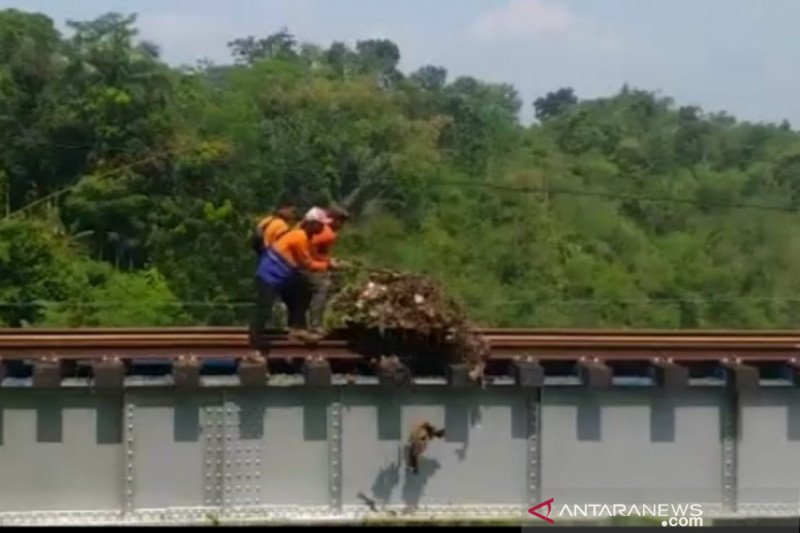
pixel 129 186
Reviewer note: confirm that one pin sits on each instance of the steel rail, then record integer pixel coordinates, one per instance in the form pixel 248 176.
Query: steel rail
pixel 494 332
pixel 611 345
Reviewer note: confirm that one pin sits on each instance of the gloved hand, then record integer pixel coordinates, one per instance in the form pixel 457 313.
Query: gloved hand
pixel 339 263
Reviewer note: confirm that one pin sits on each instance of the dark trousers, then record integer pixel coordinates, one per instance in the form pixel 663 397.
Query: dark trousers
pixel 265 300
pixel 320 283
pixel 296 295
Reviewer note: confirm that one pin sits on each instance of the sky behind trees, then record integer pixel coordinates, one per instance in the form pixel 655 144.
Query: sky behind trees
pixel 129 186
pixel 720 54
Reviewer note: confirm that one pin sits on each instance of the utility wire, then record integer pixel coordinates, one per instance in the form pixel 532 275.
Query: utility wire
pixel 93 146
pixel 610 195
pixel 152 157
pixel 553 191
pixel 513 301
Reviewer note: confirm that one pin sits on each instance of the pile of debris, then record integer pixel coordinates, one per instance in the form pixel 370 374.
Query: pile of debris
pixel 412 314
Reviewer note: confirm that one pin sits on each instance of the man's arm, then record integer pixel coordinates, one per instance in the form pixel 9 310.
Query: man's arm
pixel 322 243
pixel 301 251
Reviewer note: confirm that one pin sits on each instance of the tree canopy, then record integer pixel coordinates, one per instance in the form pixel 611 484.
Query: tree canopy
pixel 129 186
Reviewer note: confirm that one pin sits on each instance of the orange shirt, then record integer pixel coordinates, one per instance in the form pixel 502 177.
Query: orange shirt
pixel 295 247
pixel 272 227
pixel 323 242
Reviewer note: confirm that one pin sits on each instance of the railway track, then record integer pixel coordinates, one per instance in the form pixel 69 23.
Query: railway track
pixel 602 353
pixel 505 343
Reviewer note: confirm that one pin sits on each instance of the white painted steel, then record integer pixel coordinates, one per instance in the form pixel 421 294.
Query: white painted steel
pixel 769 448
pixel 60 452
pixel 472 465
pixel 294 454
pixel 616 446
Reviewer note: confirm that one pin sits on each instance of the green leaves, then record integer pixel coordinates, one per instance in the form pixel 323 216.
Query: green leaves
pixel 114 299
pixel 147 180
pixel 44 281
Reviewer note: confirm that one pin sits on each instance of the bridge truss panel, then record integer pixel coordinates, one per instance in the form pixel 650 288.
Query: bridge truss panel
pixel 480 462
pixel 768 457
pixel 632 446
pixel 159 455
pixel 276 448
pixel 173 447
pixel 60 451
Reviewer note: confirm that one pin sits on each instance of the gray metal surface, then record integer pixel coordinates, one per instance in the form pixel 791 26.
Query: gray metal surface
pixel 769 447
pixel 480 460
pixel 618 446
pixel 60 451
pixel 170 432
pixel 730 432
pixel 231 455
pixel 290 427
pixel 534 447
pixel 129 447
pixel 213 443
pixel 335 451
pixel 240 461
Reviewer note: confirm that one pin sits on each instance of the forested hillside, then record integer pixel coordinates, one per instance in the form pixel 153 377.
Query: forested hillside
pixel 128 186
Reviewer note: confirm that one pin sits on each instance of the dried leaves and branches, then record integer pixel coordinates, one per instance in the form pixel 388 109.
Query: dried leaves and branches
pixel 415 309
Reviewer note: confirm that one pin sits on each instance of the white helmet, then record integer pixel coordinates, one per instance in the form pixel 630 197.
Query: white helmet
pixel 318 214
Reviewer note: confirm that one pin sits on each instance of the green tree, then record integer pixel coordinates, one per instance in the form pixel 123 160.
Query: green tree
pixel 554 103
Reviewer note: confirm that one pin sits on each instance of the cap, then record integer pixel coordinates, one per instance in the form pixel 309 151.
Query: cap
pixel 318 215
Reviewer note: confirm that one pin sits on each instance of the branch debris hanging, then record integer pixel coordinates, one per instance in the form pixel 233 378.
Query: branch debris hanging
pixel 418 315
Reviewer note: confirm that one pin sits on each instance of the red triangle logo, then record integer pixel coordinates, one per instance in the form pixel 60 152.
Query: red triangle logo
pixel 547 503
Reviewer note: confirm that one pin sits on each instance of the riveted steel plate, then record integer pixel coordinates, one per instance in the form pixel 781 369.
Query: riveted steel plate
pixel 148 456
pixel 481 460
pixel 769 447
pixel 631 446
pixel 170 446
pixel 335 451
pixel 128 447
pixel 60 451
pixel 534 450
pixel 243 419
pixel 283 433
pixel 213 429
pixel 730 429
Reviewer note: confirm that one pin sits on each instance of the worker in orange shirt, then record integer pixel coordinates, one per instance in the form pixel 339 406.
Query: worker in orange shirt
pixel 320 281
pixel 280 273
pixel 273 226
pixel 266 232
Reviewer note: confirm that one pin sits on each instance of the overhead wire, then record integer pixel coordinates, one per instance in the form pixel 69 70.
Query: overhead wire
pixel 611 195
pixel 506 301
pixel 154 155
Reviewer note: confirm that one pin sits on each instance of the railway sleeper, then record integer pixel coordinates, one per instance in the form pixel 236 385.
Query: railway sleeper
pixel 252 371
pixel 47 372
pixel 458 375
pixel 393 374
pixel 317 372
pixel 528 373
pixel 108 373
pixel 670 375
pixel 739 376
pixel 186 372
pixel 595 374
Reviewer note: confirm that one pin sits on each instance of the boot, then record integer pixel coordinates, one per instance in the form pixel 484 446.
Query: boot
pixel 320 331
pixel 303 335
